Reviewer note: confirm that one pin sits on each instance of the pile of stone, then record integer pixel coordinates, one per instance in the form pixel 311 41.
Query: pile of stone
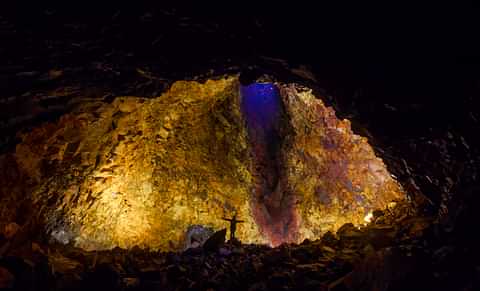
pixel 398 250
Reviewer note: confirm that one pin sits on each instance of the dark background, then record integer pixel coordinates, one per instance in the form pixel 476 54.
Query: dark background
pixel 427 55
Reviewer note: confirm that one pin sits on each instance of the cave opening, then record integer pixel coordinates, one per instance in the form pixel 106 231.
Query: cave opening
pixel 122 174
pixel 163 177
pixel 139 173
pixel 130 136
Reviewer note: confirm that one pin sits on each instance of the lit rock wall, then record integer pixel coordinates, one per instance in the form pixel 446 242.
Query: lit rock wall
pixel 141 171
pixel 272 202
pixel 334 173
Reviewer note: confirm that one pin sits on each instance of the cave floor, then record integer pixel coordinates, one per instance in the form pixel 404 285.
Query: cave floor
pixel 394 252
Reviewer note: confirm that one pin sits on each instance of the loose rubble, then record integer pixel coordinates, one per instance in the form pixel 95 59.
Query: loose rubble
pixel 398 249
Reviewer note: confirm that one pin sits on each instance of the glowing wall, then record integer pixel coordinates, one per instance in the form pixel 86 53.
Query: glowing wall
pixel 272 205
pixel 142 171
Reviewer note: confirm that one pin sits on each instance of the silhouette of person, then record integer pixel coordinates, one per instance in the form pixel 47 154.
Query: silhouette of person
pixel 233 225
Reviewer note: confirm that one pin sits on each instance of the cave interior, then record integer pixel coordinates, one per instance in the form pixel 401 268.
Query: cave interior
pixel 225 147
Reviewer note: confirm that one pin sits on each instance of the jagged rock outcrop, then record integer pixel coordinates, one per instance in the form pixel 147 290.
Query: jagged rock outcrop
pixel 334 173
pixel 142 171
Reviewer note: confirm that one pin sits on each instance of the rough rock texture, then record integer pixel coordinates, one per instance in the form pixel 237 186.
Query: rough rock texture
pixel 351 259
pixel 334 173
pixel 273 203
pixel 142 171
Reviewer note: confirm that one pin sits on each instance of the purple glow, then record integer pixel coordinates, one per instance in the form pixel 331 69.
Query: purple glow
pixel 272 206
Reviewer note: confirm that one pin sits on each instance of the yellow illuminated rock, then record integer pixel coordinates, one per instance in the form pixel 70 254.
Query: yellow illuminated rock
pixel 141 171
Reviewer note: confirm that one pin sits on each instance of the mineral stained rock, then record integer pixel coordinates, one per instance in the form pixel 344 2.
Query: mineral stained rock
pixel 333 173
pixel 142 171
pixel 273 204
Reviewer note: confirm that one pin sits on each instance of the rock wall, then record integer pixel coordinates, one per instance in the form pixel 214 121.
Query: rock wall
pixel 333 173
pixel 273 204
pixel 142 171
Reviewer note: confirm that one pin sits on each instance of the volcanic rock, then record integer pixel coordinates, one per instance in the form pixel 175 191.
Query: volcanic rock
pixel 6 279
pixel 140 171
pixel 10 230
pixel 214 242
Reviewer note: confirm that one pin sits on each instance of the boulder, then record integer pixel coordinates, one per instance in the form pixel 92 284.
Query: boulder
pixel 381 236
pixel 10 230
pixel 349 232
pixel 197 235
pixel 214 242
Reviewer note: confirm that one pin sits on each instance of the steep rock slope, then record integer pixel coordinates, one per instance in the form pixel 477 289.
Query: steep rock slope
pixel 142 171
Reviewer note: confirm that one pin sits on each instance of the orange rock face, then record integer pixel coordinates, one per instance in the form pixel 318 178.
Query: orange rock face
pixel 142 171
pixel 334 173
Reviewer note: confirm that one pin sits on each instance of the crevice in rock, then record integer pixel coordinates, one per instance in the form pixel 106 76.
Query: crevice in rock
pixel 272 205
